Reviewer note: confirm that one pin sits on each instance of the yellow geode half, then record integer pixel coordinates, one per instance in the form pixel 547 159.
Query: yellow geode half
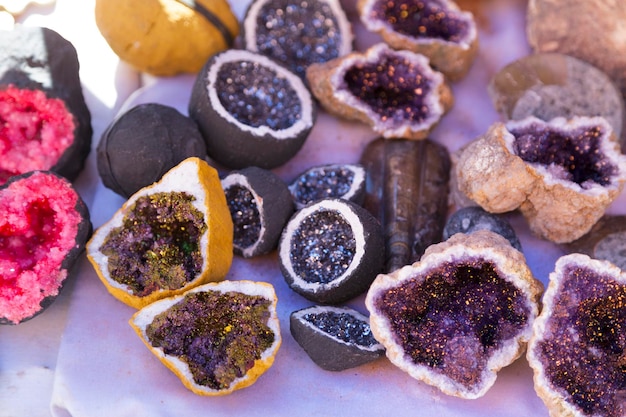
pixel 167 238
pixel 166 37
pixel 561 174
pixel 217 338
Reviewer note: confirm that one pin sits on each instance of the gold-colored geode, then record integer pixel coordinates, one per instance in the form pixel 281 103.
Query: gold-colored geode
pixel 438 29
pixel 562 187
pixel 397 93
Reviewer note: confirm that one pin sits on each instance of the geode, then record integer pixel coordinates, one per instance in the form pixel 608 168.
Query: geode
pixel 579 339
pixel 397 93
pixel 335 338
pixel 43 114
pixel 297 34
pixel 345 181
pixel 437 29
pixel 43 231
pixel 260 205
pixel 329 251
pixel 251 111
pixel 157 135
pixel 561 174
pixel 217 338
pixel 459 315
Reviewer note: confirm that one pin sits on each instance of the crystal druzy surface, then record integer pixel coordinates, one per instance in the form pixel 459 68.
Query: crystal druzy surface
pixel 35 131
pixel 455 318
pixel 393 87
pixel 343 326
pixel 254 95
pixel 584 346
pixel 323 247
pixel 298 33
pixel 324 182
pixel 574 155
pixel 157 246
pixel 219 335
pixel 245 214
pixel 420 19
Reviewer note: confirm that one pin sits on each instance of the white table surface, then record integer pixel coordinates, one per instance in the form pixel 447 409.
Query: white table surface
pixel 80 358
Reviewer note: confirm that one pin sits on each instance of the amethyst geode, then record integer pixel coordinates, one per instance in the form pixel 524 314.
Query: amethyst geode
pixel 397 93
pixel 561 174
pixel 457 316
pixel 579 342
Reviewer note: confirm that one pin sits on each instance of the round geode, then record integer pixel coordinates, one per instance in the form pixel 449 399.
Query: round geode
pixel 330 251
pixel 43 231
pixel 335 338
pixel 43 113
pixel 561 174
pixel 579 339
pixel 345 181
pixel 260 205
pixel 549 85
pixel 459 315
pixel 144 143
pixel 437 29
pixel 297 34
pixel 397 93
pixel 251 111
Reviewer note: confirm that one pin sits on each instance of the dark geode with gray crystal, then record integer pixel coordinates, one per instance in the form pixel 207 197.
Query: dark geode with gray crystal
pixel 260 205
pixel 329 251
pixel 335 338
pixel 297 33
pixel 472 218
pixel 250 110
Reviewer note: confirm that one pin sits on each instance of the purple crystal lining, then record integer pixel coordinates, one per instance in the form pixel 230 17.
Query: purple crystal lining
pixel 298 33
pixel 584 348
pixel 255 96
pixel 245 214
pixel 421 19
pixel 323 247
pixel 343 326
pixel 393 87
pixel 321 183
pixel 455 318
pixel 219 335
pixel 576 155
pixel 157 245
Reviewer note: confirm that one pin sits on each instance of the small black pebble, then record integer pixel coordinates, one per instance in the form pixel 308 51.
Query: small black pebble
pixel 471 219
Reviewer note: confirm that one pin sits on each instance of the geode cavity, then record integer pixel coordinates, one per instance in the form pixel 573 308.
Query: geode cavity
pixel 397 93
pixel 457 316
pixel 251 111
pixel 437 29
pixel 43 230
pixel 561 174
pixel 579 342
pixel 44 120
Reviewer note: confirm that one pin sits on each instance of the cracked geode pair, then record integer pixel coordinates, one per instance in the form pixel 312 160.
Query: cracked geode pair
pixel 561 174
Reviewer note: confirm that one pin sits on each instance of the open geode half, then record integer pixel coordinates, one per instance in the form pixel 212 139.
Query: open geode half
pixel 395 92
pixel 43 230
pixel 251 110
pixel 460 314
pixel 578 345
pixel 435 28
pixel 217 338
pixel 297 34
pixel 167 238
pixel 561 174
